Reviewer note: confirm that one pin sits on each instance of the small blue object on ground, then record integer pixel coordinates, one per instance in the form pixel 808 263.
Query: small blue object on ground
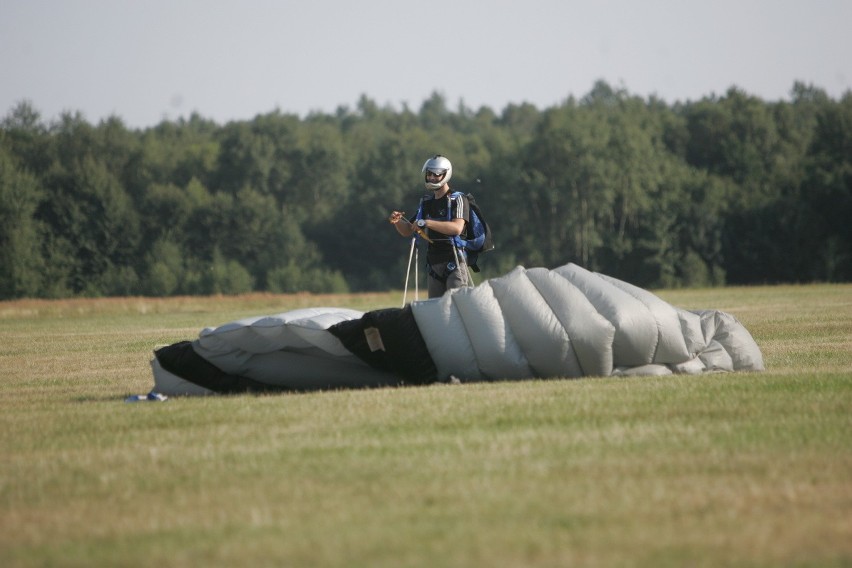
pixel 150 397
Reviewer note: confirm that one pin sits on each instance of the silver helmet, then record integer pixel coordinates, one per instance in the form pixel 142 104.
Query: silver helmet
pixel 441 166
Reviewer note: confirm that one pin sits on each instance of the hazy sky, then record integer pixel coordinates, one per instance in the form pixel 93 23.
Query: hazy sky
pixel 150 60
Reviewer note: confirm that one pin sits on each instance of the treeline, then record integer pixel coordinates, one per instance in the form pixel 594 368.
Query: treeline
pixel 728 189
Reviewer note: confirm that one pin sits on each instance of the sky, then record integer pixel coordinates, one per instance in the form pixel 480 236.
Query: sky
pixel 152 60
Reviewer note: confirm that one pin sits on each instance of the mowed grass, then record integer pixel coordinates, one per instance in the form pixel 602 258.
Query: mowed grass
pixel 716 470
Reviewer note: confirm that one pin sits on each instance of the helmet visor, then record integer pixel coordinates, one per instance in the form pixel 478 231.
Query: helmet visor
pixel 435 172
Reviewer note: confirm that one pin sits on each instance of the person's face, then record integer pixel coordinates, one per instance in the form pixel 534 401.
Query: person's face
pixel 435 176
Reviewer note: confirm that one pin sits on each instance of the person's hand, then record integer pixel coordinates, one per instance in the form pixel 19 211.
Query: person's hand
pixel 395 217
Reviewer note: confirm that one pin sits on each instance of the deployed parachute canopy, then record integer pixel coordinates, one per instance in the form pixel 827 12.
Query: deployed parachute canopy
pixel 530 323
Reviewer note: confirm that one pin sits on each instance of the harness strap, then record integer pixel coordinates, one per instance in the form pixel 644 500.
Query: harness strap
pixel 451 267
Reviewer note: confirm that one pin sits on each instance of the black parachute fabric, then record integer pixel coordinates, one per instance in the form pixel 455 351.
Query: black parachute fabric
pixel 181 359
pixel 389 340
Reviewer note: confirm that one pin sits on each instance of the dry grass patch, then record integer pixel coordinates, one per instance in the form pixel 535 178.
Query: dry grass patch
pixel 740 469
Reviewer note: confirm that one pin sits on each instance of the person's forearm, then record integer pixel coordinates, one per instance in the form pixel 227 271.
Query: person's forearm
pixel 404 228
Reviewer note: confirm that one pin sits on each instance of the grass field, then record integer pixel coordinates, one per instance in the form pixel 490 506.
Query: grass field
pixel 717 470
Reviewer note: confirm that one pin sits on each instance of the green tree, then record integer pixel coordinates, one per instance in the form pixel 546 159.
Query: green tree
pixel 21 261
pixel 227 276
pixel 173 153
pixel 93 220
pixel 257 155
pixel 827 193
pixel 165 269
pixel 566 191
pixel 725 189
pixel 25 137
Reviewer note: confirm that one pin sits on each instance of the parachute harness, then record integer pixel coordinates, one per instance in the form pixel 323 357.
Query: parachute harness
pixel 413 255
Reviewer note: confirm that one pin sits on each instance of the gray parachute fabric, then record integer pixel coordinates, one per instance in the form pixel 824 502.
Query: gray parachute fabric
pixel 529 323
pixel 570 322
